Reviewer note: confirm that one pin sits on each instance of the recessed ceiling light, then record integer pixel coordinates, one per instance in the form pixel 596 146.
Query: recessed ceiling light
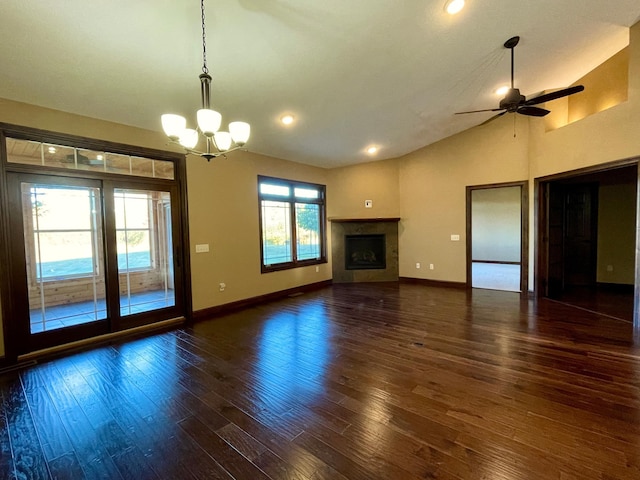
pixel 454 6
pixel 287 119
pixel 372 150
pixel 502 90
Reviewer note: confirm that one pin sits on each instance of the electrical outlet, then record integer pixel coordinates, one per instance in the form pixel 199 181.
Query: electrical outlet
pixel 222 286
pixel 417 264
pixel 368 204
pixel 317 269
pixel 455 238
pixel 431 266
pixel 202 248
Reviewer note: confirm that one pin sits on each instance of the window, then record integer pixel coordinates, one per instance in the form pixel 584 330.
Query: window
pixel 133 229
pixel 29 152
pixel 65 246
pixel 292 223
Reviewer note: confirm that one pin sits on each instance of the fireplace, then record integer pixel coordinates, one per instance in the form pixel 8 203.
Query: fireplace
pixel 364 249
pixel 365 252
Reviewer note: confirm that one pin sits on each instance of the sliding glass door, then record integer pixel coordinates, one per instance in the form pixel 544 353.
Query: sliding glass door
pixel 90 256
pixel 144 246
pixel 64 255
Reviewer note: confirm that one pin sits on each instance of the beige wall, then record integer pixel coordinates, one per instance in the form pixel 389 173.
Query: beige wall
pixel 433 185
pixel 349 187
pixel 617 233
pixel 495 224
pixel 603 137
pixel 223 212
pixel 605 87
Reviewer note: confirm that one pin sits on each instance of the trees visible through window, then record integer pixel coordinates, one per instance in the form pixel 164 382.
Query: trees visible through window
pixel 292 218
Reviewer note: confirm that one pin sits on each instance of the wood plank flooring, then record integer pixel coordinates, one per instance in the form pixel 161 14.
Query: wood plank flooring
pixel 357 381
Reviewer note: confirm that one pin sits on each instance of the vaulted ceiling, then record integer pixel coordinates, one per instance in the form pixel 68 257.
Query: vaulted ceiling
pixel 353 73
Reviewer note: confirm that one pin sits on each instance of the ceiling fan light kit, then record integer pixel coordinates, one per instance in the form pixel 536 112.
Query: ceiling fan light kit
pixel 514 102
pixel 208 120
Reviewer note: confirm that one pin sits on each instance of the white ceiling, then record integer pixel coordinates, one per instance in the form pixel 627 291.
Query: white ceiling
pixel 353 72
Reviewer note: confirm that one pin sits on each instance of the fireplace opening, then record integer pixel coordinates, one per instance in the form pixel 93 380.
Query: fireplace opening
pixel 365 252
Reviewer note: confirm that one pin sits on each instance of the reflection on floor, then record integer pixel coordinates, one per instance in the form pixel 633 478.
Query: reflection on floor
pixel 615 302
pixel 495 276
pixel 62 316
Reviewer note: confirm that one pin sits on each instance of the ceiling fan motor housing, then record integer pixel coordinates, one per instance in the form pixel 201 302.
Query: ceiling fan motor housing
pixel 513 100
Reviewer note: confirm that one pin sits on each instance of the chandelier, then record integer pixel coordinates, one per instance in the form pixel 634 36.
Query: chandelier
pixel 218 142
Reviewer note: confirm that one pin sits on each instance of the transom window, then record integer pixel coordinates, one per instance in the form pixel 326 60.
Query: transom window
pixel 292 223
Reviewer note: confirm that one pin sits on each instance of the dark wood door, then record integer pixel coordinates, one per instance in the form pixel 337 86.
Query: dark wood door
pixel 581 234
pixel 555 240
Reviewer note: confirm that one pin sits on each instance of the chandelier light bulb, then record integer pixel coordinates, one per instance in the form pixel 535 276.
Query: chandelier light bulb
pixel 208 121
pixel 173 125
pixel 223 140
pixel 188 138
pixel 240 132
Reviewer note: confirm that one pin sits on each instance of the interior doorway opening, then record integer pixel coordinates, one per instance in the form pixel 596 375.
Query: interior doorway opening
pixel 497 237
pixel 587 238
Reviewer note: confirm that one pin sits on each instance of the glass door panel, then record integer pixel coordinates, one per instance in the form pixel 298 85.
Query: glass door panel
pixel 64 255
pixel 144 250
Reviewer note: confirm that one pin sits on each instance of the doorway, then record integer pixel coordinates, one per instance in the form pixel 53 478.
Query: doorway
pixel 497 237
pixel 587 239
pixel 93 242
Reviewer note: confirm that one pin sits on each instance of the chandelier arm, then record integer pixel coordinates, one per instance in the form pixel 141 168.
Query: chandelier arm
pixel 208 153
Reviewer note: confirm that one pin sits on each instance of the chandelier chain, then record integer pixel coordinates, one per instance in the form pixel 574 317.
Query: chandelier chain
pixel 222 142
pixel 204 41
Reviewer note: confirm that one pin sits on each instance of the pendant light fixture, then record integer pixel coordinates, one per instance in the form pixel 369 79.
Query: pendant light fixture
pixel 218 142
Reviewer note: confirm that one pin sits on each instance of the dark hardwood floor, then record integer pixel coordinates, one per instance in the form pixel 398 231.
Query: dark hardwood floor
pixel 357 381
pixel 614 302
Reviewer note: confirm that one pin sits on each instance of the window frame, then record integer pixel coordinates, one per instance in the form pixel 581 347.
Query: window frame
pixel 292 200
pixel 33 230
pixel 152 232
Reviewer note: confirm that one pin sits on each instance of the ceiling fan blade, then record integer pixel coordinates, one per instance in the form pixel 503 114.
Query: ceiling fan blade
pixel 533 111
pixel 554 95
pixel 492 118
pixel 478 111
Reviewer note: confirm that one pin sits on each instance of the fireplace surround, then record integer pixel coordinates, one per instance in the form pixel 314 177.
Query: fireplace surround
pixel 364 249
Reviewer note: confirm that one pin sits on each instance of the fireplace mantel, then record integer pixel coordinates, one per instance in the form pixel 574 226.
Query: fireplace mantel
pixel 364 220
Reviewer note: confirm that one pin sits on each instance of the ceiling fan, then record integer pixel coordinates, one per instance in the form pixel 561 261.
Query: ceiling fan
pixel 514 102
